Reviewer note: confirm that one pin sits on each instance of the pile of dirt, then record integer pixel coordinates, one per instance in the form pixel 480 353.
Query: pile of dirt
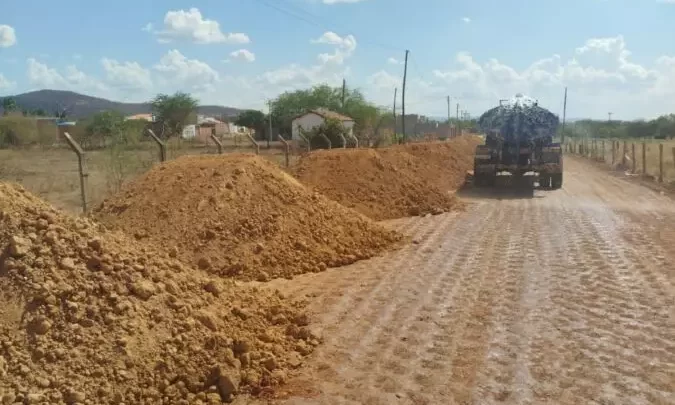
pixel 380 188
pixel 443 164
pixel 88 316
pixel 242 216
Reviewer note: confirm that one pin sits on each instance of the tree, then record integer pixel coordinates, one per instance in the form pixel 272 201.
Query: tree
pixel 9 105
pixel 291 104
pixel 106 124
pixel 173 112
pixel 255 120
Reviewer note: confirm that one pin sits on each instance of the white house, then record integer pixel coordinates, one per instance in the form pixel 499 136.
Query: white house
pixel 313 118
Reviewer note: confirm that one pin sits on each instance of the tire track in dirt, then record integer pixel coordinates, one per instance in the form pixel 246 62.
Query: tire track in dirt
pixel 599 311
pixel 565 298
pixel 382 332
pixel 519 311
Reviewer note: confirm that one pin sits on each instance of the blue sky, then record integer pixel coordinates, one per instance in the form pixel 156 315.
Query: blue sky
pixel 614 55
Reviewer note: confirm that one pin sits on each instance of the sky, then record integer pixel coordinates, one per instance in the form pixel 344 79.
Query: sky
pixel 614 56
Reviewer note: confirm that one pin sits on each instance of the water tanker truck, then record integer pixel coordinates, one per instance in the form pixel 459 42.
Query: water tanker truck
pixel 519 147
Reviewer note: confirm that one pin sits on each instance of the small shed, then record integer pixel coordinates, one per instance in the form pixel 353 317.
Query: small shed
pixel 314 118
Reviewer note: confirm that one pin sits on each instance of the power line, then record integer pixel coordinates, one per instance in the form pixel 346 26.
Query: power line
pixel 313 19
pixel 418 71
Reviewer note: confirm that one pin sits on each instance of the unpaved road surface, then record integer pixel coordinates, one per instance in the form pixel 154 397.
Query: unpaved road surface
pixel 564 298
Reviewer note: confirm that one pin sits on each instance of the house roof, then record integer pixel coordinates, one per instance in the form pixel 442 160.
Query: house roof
pixel 322 112
pixel 204 120
pixel 147 117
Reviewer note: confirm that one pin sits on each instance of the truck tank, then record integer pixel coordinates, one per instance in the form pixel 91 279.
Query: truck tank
pixel 518 143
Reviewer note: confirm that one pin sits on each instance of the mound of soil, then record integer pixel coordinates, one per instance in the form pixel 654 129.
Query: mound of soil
pixel 374 186
pixel 89 316
pixel 442 164
pixel 242 216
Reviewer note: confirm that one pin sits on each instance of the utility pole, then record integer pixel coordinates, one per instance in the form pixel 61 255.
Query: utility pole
pixel 344 88
pixel 459 123
pixel 405 77
pixel 448 110
pixel 562 140
pixel 395 95
pixel 269 136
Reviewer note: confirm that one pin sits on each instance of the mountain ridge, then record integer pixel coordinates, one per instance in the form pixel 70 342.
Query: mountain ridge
pixel 80 106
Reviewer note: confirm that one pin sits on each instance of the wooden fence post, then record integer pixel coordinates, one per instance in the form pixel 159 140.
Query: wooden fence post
pixel 644 157
pixel 254 143
pixel 603 151
pixel 633 156
pixel 625 152
pixel 161 144
pixel 287 149
pixel 613 152
pixel 82 168
pixel 356 140
pixel 219 144
pixel 330 144
pixel 660 163
pixel 304 138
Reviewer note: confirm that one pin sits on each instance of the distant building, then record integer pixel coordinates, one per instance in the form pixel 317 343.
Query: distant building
pixel 189 132
pixel 144 117
pixel 314 118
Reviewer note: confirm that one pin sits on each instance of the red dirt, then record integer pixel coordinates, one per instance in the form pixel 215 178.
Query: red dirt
pixel 442 164
pixel 91 316
pixel 242 216
pixel 394 182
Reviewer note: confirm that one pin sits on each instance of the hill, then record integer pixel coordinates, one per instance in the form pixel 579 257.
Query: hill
pixel 81 106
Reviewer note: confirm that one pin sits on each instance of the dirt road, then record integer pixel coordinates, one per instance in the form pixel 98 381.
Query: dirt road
pixel 565 298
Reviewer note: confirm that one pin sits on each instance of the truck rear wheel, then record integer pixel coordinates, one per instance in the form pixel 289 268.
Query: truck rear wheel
pixel 545 181
pixel 557 181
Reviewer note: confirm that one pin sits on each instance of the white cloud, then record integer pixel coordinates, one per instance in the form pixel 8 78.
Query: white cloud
pixel 601 76
pixel 7 36
pixel 127 75
pixel 5 84
pixel 243 55
pixel 42 76
pixel 467 20
pixel 384 80
pixel 345 47
pixel 179 71
pixel 79 80
pixel 190 25
pixel 148 28
pixel 394 61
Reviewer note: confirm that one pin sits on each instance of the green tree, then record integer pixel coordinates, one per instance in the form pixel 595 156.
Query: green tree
pixel 291 104
pixel 174 112
pixel 9 105
pixel 255 120
pixel 106 125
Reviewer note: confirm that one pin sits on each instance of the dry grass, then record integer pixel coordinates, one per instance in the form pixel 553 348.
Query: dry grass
pixel 651 168
pixel 52 173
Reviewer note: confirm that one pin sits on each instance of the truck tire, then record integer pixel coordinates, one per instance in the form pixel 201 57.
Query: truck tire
pixel 479 180
pixel 557 181
pixel 545 181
